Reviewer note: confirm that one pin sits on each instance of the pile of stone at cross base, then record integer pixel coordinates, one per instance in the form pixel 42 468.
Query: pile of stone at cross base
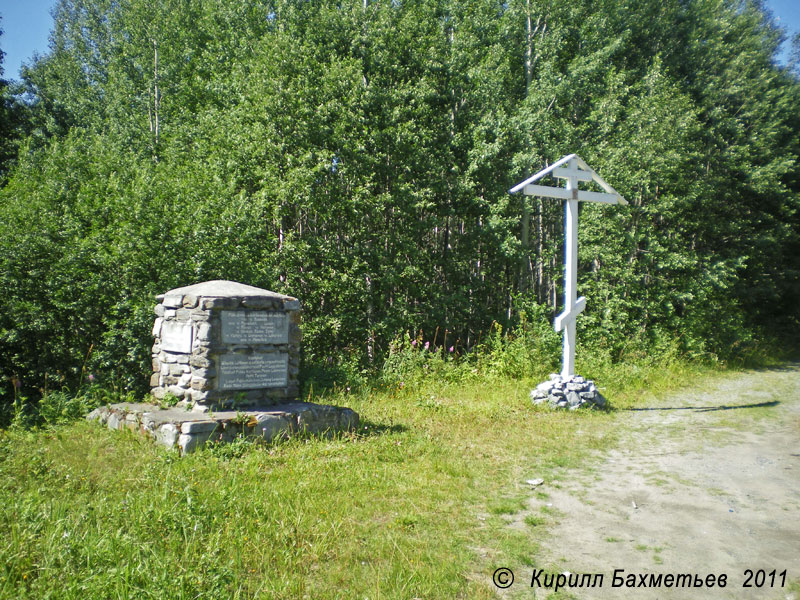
pixel 571 393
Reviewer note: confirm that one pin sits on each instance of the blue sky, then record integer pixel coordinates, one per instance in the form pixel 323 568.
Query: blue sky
pixel 27 23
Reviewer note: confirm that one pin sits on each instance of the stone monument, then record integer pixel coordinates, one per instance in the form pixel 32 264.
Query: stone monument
pixel 228 354
pixel 223 344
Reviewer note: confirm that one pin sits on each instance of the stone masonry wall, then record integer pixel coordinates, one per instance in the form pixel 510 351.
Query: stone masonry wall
pixel 188 349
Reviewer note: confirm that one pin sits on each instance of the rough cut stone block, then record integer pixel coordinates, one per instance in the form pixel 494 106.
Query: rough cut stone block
pixel 113 421
pixel 100 414
pixel 198 395
pixel 191 442
pixel 257 302
pixel 202 350
pixel 176 390
pixel 148 424
pixel 190 301
pixel 273 426
pixel 201 383
pixel 219 303
pixel 200 362
pixel 172 301
pixel 203 332
pixel 175 369
pixel 198 426
pixel 167 435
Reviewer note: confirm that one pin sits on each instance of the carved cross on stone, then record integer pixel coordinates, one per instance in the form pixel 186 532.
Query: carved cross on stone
pixel 575 171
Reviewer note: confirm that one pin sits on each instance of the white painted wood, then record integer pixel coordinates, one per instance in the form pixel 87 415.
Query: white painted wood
pixel 564 194
pixel 569 315
pixel 576 170
pixel 570 274
pixel 599 180
pixel 562 173
pixel 585 196
pixel 582 164
pixel 542 173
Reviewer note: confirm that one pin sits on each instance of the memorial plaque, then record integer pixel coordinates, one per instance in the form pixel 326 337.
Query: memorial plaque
pixel 254 327
pixel 253 371
pixel 176 336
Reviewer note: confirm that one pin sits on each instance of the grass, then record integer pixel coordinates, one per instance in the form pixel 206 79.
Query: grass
pixel 413 505
pixel 534 521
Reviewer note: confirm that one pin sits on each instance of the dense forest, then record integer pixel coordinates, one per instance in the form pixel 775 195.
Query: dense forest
pixel 358 156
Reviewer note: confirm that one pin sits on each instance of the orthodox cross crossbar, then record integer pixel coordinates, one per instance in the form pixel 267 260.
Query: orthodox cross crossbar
pixel 573 169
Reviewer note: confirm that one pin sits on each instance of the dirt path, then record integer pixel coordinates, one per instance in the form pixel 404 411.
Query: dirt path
pixel 703 482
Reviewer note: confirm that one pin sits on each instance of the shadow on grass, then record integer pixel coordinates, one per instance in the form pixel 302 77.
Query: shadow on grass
pixel 368 428
pixel 707 408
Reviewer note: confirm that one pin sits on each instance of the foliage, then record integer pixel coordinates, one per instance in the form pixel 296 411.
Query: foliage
pixel 12 120
pixel 358 156
pixel 57 407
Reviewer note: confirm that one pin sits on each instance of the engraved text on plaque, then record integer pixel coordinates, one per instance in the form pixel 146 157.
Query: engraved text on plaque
pixel 253 371
pixel 254 327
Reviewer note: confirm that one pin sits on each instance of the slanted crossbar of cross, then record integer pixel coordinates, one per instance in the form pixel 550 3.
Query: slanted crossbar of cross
pixel 575 171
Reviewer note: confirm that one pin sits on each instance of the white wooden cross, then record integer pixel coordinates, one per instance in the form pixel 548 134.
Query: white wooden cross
pixel 575 170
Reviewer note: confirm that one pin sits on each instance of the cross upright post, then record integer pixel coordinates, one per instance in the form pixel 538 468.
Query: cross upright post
pixel 573 169
pixel 570 276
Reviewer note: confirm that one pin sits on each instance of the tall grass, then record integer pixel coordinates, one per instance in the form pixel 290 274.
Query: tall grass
pixel 415 504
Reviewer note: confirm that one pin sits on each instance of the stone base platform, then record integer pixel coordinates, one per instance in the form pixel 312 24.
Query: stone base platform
pixel 189 430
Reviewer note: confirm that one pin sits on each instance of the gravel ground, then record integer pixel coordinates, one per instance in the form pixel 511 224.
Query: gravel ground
pixel 704 482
